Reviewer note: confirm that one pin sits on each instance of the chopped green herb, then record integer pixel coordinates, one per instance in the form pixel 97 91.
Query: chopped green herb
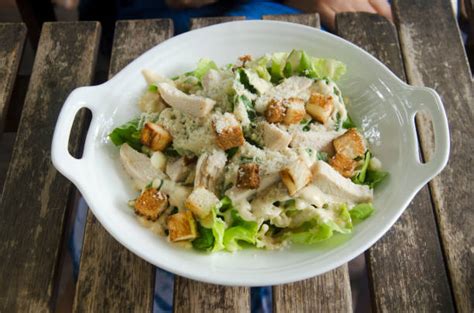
pixel 348 123
pixel 171 152
pixel 153 88
pixel 322 156
pixel 306 124
pixel 231 152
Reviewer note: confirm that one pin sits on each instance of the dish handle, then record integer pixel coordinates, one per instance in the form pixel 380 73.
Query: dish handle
pixel 64 162
pixel 428 100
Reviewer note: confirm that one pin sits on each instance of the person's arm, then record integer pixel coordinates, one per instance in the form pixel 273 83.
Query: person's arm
pixel 328 9
pixel 185 4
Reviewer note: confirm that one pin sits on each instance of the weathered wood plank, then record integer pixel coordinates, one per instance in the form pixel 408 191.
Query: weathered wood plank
pixel 434 56
pixel 193 296
pixel 201 22
pixel 111 278
pixel 33 207
pixel 12 37
pixel 409 247
pixel 310 19
pixel 330 292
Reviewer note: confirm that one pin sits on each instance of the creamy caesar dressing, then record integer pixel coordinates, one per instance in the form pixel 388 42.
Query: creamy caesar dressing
pixel 260 152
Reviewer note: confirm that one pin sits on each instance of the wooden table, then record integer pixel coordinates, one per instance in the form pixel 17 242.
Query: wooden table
pixel 423 264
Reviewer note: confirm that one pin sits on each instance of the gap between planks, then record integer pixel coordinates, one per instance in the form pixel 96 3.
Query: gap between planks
pixel 409 245
pixel 111 278
pixel 435 57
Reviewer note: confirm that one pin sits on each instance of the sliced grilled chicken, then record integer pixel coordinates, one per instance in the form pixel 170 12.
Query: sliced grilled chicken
pixel 154 78
pixel 317 140
pixel 138 166
pixel 275 138
pixel 331 182
pixel 191 104
pixel 238 195
pixel 210 170
pixel 178 170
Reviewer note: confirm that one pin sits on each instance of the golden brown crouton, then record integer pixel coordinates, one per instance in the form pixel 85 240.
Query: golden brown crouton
pixel 228 132
pixel 248 176
pixel 150 204
pixel 201 201
pixel 295 176
pixel 245 58
pixel 343 165
pixel 155 137
pixel 350 144
pixel 294 112
pixel 182 226
pixel 320 107
pixel 275 112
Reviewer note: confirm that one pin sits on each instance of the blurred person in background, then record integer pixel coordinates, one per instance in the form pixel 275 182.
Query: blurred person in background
pixel 107 11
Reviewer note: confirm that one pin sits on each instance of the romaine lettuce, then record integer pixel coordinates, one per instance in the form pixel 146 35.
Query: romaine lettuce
pixel 361 211
pixel 240 230
pixel 204 66
pixel 127 133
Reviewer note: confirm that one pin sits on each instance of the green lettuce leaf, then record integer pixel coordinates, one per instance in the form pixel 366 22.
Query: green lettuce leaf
pixel 361 211
pixel 205 241
pixel 204 66
pixel 327 68
pixel 211 234
pixel 360 177
pixel 374 177
pixel 240 231
pixel 316 234
pixel 318 229
pixel 127 133
pixel 348 123
pixel 278 62
pixel 368 176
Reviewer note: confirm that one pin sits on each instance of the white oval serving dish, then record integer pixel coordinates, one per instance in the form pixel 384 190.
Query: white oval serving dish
pixel 380 103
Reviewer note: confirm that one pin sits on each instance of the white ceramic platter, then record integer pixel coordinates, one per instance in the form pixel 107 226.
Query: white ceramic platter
pixel 380 103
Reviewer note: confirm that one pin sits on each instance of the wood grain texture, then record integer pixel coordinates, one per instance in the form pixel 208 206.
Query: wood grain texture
pixel 201 22
pixel 193 296
pixel 402 263
pixel 33 207
pixel 310 19
pixel 12 38
pixel 435 57
pixel 111 278
pixel 330 292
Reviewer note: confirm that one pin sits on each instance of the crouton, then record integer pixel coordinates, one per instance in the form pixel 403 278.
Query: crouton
pixel 155 137
pixel 150 204
pixel 295 176
pixel 228 131
pixel 201 201
pixel 350 144
pixel 343 165
pixel 320 107
pixel 248 176
pixel 182 226
pixel 275 112
pixel 294 110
